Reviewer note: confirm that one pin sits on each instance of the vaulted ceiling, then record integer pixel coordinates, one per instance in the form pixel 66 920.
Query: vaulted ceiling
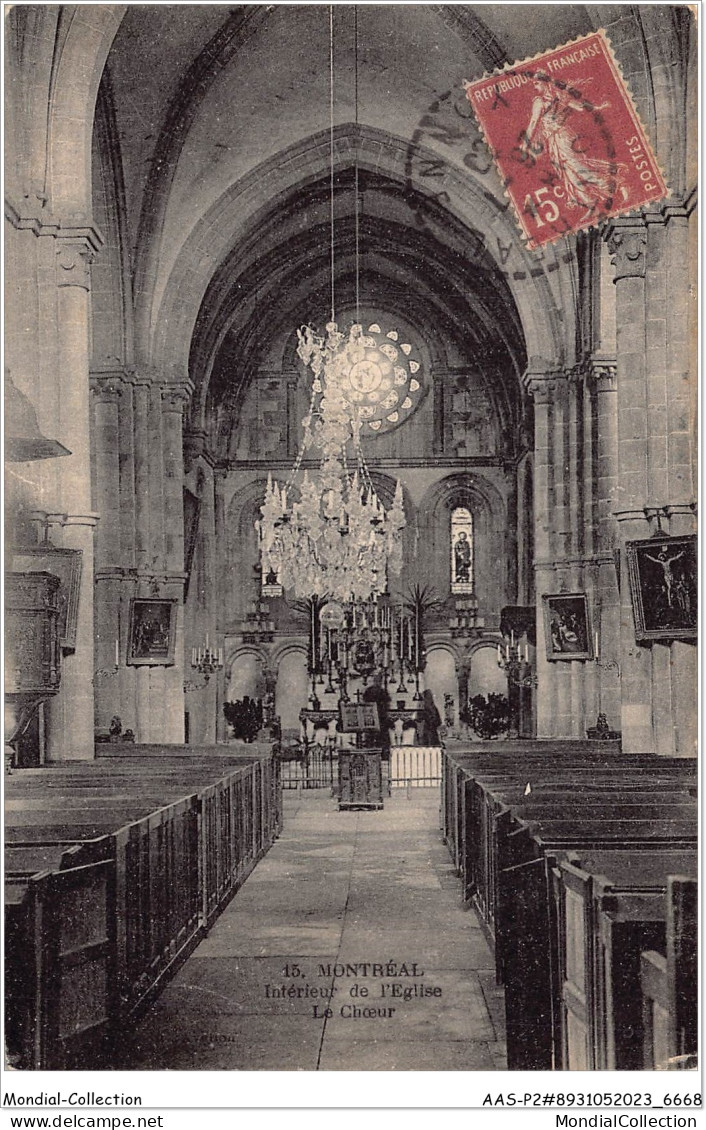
pixel 205 99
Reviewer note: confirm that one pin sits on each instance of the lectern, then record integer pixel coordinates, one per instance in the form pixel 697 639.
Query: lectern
pixel 359 770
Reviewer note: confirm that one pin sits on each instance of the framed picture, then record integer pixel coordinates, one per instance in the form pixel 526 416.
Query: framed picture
pixel 66 565
pixel 566 628
pixel 663 587
pixel 152 631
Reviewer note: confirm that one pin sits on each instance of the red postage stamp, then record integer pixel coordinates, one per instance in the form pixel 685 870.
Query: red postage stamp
pixel 566 139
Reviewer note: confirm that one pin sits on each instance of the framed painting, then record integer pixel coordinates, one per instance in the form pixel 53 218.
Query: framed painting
pixel 566 628
pixel 65 564
pixel 152 631
pixel 663 587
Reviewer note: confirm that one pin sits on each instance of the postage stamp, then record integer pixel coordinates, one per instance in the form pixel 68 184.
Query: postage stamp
pixel 566 139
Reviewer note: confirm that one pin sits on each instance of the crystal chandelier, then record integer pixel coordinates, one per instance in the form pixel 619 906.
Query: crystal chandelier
pixel 336 538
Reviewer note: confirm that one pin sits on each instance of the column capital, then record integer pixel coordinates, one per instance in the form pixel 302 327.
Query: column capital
pixel 76 248
pixel 176 397
pixel 25 217
pixel 675 208
pixel 110 573
pixel 626 237
pixel 659 513
pixel 105 388
pixel 81 520
pixel 602 373
pixel 673 508
pixel 630 515
pixel 194 440
pixel 540 386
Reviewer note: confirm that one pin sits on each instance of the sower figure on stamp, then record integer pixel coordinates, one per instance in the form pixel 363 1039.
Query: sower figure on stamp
pixel 589 182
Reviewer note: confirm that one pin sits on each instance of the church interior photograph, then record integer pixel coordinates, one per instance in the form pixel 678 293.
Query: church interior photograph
pixel 351 460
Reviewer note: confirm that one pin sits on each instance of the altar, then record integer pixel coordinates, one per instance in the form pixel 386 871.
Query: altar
pixel 320 725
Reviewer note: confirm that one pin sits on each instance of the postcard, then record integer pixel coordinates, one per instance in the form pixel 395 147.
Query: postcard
pixel 351 427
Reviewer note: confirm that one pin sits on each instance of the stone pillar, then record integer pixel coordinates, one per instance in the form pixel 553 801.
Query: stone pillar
pixel 293 424
pixel 541 386
pixel 438 385
pixel 627 240
pixel 168 682
pixel 603 390
pixel 141 395
pixel 106 394
pixel 215 690
pixel 220 541
pixel 577 443
pixel 672 456
pixel 70 713
pixel 561 672
pixel 583 675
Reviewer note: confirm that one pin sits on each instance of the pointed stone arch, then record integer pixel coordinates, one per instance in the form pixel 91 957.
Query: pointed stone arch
pixel 237 213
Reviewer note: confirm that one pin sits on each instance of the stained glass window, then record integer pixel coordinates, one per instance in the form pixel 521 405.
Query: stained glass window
pixel 461 550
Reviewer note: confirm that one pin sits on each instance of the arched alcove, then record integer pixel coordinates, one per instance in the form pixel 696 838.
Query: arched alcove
pixel 241 578
pixel 246 677
pixel 485 676
pixel 475 493
pixel 292 688
pixel 440 677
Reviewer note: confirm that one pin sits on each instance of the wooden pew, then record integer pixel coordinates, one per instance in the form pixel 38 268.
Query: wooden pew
pixel 500 839
pixel 608 907
pixel 60 975
pixel 490 843
pixel 491 809
pixel 173 866
pixel 526 921
pixel 669 981
pixel 581 769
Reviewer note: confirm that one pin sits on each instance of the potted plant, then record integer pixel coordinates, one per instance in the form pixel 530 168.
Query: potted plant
pixel 245 717
pixel 487 716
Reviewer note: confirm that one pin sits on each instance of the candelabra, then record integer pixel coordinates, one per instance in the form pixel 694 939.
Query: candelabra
pixel 206 660
pixel 514 660
pixel 354 640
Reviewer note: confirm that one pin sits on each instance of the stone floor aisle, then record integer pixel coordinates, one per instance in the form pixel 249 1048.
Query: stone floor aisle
pixel 338 890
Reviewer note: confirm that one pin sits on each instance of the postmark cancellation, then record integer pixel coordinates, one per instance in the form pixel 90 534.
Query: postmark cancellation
pixel 566 139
